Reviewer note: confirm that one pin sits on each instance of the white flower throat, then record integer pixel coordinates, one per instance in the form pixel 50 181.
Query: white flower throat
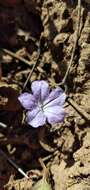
pixel 41 106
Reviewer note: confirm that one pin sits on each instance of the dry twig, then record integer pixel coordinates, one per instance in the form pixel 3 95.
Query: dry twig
pixel 14 55
pixel 13 163
pixel 75 43
pixel 84 114
pixel 31 72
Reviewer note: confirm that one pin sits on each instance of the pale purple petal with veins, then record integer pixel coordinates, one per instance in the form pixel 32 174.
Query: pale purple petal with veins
pixel 40 90
pixel 27 100
pixel 53 95
pixel 54 114
pixel 56 97
pixel 36 118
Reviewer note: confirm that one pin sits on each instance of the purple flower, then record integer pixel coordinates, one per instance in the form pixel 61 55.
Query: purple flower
pixel 43 105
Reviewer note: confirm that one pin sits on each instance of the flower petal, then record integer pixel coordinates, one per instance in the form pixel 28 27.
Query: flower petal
pixel 40 90
pixel 56 97
pixel 27 100
pixel 54 114
pixel 36 118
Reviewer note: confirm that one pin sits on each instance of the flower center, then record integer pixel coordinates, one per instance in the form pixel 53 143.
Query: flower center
pixel 40 105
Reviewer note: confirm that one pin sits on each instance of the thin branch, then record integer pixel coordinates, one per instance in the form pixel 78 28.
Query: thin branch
pixel 13 164
pixel 16 56
pixel 31 72
pixel 84 114
pixel 47 158
pixel 24 61
pixel 75 43
pixel 3 125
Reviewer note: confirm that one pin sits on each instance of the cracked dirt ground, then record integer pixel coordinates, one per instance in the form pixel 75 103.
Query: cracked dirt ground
pixel 55 24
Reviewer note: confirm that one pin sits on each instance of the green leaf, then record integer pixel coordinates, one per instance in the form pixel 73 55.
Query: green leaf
pixel 42 185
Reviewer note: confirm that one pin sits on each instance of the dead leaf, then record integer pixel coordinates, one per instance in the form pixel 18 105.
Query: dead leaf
pixel 19 184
